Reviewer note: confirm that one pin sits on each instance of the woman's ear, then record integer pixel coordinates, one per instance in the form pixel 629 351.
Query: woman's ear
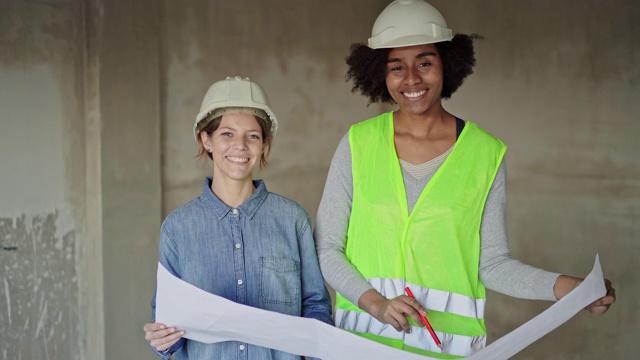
pixel 206 140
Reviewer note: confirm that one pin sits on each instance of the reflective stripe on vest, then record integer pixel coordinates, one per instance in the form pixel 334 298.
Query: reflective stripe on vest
pixel 419 337
pixel 431 299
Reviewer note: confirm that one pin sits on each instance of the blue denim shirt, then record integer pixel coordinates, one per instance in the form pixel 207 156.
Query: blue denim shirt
pixel 261 254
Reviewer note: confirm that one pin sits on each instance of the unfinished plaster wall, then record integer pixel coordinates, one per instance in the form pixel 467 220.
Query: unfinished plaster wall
pixel 130 170
pixel 42 169
pixel 80 164
pixel 559 82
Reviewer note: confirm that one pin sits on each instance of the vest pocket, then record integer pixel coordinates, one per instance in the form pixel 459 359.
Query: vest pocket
pixel 279 280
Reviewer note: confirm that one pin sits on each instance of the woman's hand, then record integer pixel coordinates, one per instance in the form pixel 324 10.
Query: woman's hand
pixel 392 311
pixel 564 284
pixel 160 336
pixel 602 305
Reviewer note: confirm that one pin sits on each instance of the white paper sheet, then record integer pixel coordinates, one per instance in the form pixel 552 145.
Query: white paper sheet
pixel 209 318
pixel 591 289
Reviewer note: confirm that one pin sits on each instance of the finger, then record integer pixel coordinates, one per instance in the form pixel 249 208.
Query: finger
pixel 392 314
pixel 160 334
pixel 611 292
pixel 151 329
pixel 152 333
pixel 394 318
pixel 414 314
pixel 598 310
pixel 166 342
pixel 602 305
pixel 388 318
pixel 152 326
pixel 404 324
pixel 168 345
pixel 401 322
pixel 606 300
pixel 407 307
pixel 415 305
pixel 610 289
pixel 414 310
pixel 395 325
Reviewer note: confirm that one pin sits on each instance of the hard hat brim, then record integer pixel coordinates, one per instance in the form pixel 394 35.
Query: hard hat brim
pixel 203 115
pixel 410 40
pixel 231 110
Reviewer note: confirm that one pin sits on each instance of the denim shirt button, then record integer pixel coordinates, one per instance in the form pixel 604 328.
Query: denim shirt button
pixel 240 282
pixel 235 211
pixel 237 246
pixel 241 347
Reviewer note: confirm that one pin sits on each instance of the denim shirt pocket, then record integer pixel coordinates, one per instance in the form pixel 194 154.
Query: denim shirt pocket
pixel 279 280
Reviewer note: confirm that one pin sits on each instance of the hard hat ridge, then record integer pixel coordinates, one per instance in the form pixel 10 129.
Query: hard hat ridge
pixel 407 23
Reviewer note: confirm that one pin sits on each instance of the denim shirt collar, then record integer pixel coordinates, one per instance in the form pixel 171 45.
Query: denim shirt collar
pixel 248 208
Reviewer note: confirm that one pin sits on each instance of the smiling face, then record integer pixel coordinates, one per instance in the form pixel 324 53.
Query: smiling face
pixel 236 147
pixel 414 78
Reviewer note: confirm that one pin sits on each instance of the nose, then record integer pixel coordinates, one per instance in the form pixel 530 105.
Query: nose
pixel 240 143
pixel 412 77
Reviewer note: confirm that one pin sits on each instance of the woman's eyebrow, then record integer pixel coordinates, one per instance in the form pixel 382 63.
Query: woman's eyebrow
pixel 421 55
pixel 425 54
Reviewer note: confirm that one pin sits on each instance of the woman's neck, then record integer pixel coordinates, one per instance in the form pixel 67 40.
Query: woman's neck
pixel 232 192
pixel 421 138
pixel 424 124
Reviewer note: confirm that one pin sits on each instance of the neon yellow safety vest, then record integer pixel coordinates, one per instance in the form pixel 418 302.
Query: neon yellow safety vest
pixel 435 250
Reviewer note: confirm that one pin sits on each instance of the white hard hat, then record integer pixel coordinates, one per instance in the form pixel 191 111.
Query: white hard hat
pixel 407 23
pixel 233 95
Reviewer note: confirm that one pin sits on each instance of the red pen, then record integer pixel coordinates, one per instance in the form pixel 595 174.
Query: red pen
pixel 425 321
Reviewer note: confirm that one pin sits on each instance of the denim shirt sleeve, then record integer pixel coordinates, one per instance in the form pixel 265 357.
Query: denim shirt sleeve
pixel 168 259
pixel 316 302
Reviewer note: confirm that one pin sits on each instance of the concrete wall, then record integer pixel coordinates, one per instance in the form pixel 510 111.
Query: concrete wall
pixel 98 100
pixel 81 199
pixel 42 181
pixel 129 89
pixel 559 82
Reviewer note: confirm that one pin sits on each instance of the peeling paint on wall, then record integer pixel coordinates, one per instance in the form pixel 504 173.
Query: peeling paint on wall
pixel 38 288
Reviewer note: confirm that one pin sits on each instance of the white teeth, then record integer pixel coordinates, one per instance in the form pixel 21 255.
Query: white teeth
pixel 414 94
pixel 237 159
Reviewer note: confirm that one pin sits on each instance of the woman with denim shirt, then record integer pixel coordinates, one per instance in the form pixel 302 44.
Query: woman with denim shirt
pixel 238 240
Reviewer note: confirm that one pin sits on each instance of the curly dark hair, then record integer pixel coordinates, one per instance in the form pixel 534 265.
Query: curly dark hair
pixel 367 67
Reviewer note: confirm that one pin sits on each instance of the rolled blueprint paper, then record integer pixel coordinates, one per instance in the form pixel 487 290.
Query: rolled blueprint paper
pixel 209 318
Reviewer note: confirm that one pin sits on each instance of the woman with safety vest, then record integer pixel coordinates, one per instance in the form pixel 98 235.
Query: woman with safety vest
pixel 238 240
pixel 415 198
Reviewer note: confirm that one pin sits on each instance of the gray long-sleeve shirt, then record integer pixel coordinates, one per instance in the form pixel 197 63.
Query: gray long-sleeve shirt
pixel 498 270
